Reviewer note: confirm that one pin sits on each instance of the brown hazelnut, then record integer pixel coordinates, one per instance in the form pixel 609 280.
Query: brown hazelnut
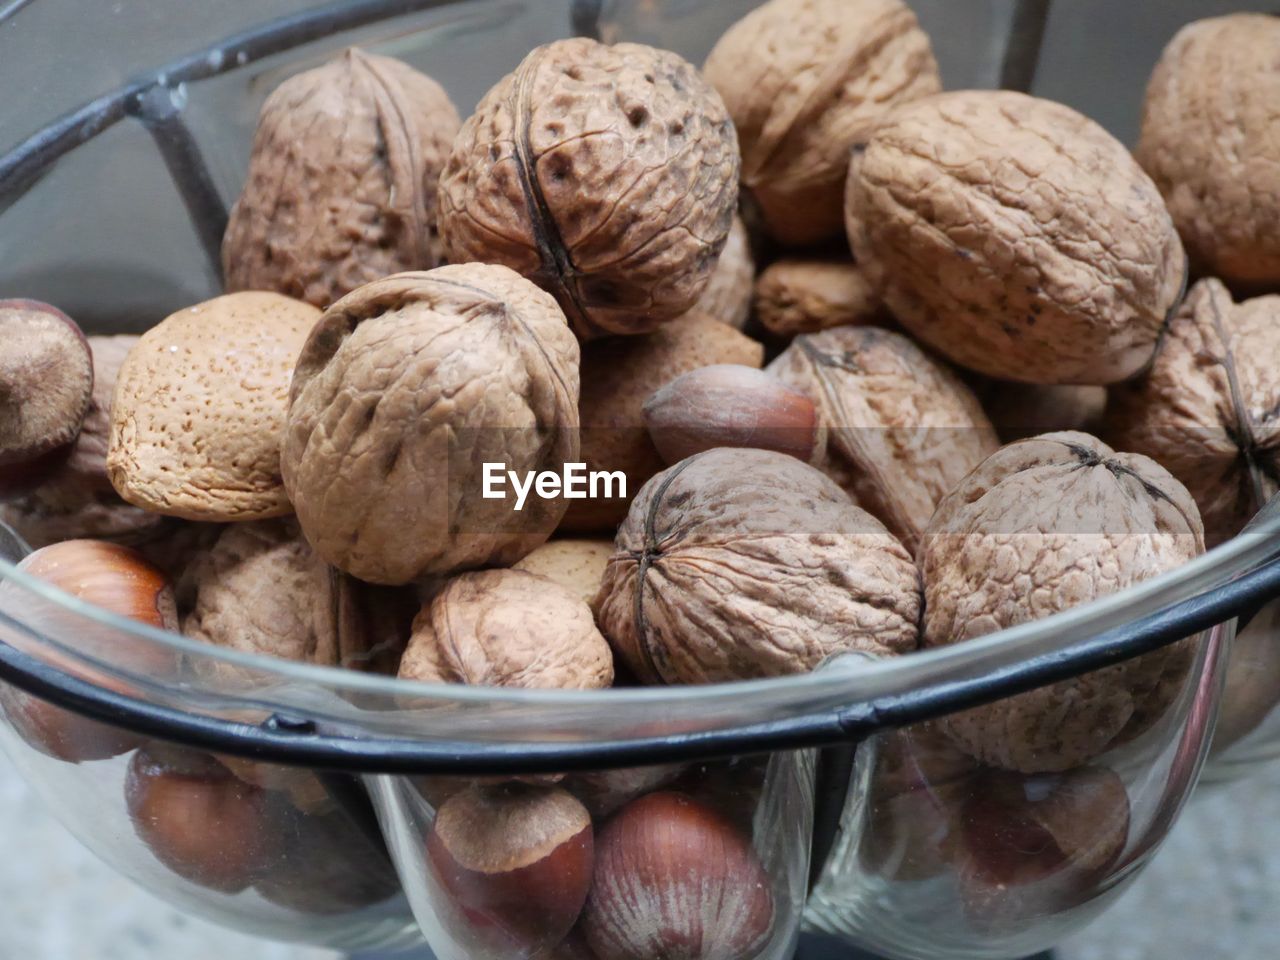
pixel 404 390
pixel 341 187
pixel 805 82
pixel 1061 267
pixel 46 385
pixel 1022 410
pixel 200 405
pixel 673 879
pixel 1252 689
pixel 727 297
pixel 577 565
pixel 726 405
pixel 603 792
pixel 514 863
pixel 608 175
pixel 796 296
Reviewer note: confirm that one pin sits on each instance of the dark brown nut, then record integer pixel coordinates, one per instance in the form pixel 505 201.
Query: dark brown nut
pixel 902 429
pixel 726 405
pixel 737 564
pixel 577 565
pixel 46 385
pixel 1208 408
pixel 604 792
pixel 507 628
pixel 1209 141
pixel 1022 410
pixel 618 376
pixel 1042 526
pixel 118 580
pixel 515 864
pixel 404 390
pixel 805 296
pixel 199 821
pixel 608 175
pixel 342 182
pixel 727 297
pixel 674 879
pixel 200 405
pixel 1253 680
pixel 805 82
pixel 1015 236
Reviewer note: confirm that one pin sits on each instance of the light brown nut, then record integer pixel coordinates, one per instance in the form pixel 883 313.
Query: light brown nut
pixel 804 296
pixel 902 429
pixel 507 628
pixel 1209 409
pixel 727 297
pixel 1210 142
pixel 618 376
pixel 737 564
pixel 342 182
pixel 1042 526
pixel 1015 236
pixel 199 407
pixel 805 81
pixel 1022 410
pixel 606 174
pixel 406 388
pixel 577 565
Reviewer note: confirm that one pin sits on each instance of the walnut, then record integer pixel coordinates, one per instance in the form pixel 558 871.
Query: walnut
pixel 618 376
pixel 806 81
pixel 1210 142
pixel 736 564
pixel 797 296
pixel 1015 236
pixel 606 174
pixel 342 182
pixel 577 565
pixel 1022 410
pixel 404 390
pixel 727 297
pixel 199 407
pixel 507 628
pixel 1208 409
pixel 902 429
pixel 1042 526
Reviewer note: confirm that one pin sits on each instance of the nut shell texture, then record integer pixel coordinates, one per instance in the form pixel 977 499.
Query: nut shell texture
pixel 805 81
pixel 199 408
pixel 606 174
pixel 804 296
pixel 407 387
pixel 1015 236
pixel 1211 141
pixel 1042 526
pixel 727 297
pixel 577 565
pixel 738 564
pixel 342 183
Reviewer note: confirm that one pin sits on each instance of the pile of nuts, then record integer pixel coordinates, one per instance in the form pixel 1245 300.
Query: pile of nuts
pixel 296 468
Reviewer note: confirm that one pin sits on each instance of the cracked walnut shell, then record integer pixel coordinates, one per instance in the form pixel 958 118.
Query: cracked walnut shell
pixel 405 389
pixel 341 187
pixel 606 174
pixel 1042 526
pixel 738 563
pixel 1016 237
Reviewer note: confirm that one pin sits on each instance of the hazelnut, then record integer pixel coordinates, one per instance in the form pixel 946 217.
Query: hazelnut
pixel 726 405
pixel 673 879
pixel 507 628
pixel 796 296
pixel 514 863
pixel 1042 526
pixel 902 429
pixel 405 388
pixel 740 564
pixel 1209 142
pixel 618 376
pixel 805 82
pixel 727 297
pixel 608 175
pixel 1252 689
pixel 603 792
pixel 46 385
pixel 341 187
pixel 577 565
pixel 1022 410
pixel 120 581
pixel 199 821
pixel 1061 267
pixel 199 408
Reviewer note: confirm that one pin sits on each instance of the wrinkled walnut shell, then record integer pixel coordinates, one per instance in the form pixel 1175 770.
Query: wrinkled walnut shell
pixel 805 296
pixel 727 297
pixel 577 565
pixel 1015 236
pixel 608 175
pixel 1042 526
pixel 737 564
pixel 342 182
pixel 404 390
